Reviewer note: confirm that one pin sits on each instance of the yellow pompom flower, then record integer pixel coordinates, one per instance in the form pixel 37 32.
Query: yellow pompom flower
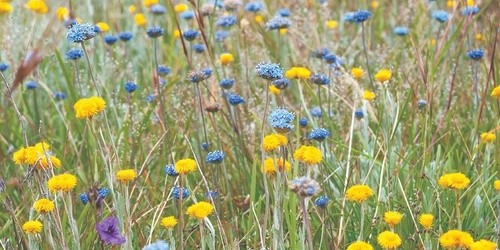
pixel 270 166
pixel 273 141
pixel 359 193
pixel 200 210
pixel 331 24
pixel 488 137
pixel 62 182
pixel 37 6
pixel 455 181
pixel 32 227
pixel 274 90
pixel 258 18
pixel 388 240
pixel 103 26
pixel 298 72
pixel 126 175
pixel 357 73
pixel 62 13
pixel 308 154
pixel 392 218
pixel 383 75
pixel 374 4
pixel 177 34
pixel 368 95
pixel 496 184
pixel 131 8
pixel 426 220
pixel 450 4
pixel 140 19
pixel 360 245
pixel 88 107
pixel 483 245
pixel 149 3
pixel 19 156
pixel 496 92
pixel 44 163
pixel 180 8
pixel 169 222
pixel 456 239
pixel 226 58
pixel 470 3
pixel 480 37
pixel 5 7
pixel 43 206
pixel 282 31
pixel 185 166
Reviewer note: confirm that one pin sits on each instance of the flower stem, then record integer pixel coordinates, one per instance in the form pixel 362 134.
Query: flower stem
pixel 360 237
pixel 202 235
pixel 366 55
pixel 306 223
pixel 266 189
pixel 181 216
pixel 457 207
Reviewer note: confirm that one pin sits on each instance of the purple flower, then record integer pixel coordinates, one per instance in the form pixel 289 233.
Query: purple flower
pixel 109 232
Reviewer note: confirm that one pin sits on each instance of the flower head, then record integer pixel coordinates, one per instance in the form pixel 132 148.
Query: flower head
pixel 109 231
pixel 125 36
pixel 169 222
pixel 176 193
pixel 154 32
pixel 392 218
pixel 284 12
pixel 163 70
pixel 221 35
pixel 318 134
pixel 190 35
pixel 389 240
pixel 441 16
pixel 110 39
pixel 103 27
pixel 126 175
pixel 235 99
pixel 496 92
pixel 359 193
pixel 88 107
pixel 488 137
pixel 271 165
pixel 456 239
pixel 357 73
pixel 304 186
pixel 200 210
pixel 74 54
pixel 332 24
pixel 79 33
pixel 476 54
pixel 455 181
pixel 43 206
pixel 401 31
pixel 3 66
pixel 269 71
pixel 361 16
pixel 226 21
pixel 322 201
pixel 360 245
pixel 368 95
pixel 149 3
pixel 5 7
pixel 32 227
pixel 496 184
pixel 62 182
pixel 469 11
pixel 308 154
pixel 198 48
pixel 130 86
pixel 278 23
pixel 226 58
pixel 320 79
pixel 426 220
pixel 483 245
pixel 298 73
pixel 227 83
pixel 280 119
pixel 196 76
pixel 303 122
pixel 180 8
pixel 158 9
pixel 158 245
pixel 383 75
pixel 140 19
pixel 185 166
pixel 254 6
pixel 170 170
pixel 215 157
pixel 273 141
pixel 31 85
pixel 37 6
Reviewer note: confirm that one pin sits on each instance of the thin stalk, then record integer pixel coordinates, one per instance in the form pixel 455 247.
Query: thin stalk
pixel 306 223
pixel 77 79
pixel 366 56
pixel 362 225
pixel 181 215
pixel 266 189
pixel 457 208
pixel 202 235
pixel 201 112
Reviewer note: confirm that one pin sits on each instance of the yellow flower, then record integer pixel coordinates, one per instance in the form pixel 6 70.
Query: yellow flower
pixel 426 220
pixel 451 4
pixel 43 206
pixel 62 13
pixel 480 37
pixel 180 8
pixel 5 7
pixel 131 8
pixel 360 245
pixel 383 75
pixel 456 239
pixel 62 182
pixel 200 210
pixel 273 141
pixel 32 227
pixel 282 31
pixel 226 58
pixel 332 24
pixel 32 155
pixel 368 95
pixel 88 107
pixel 308 154
pixel 140 19
pixel 185 166
pixel 388 240
pixel 392 218
pixel 357 73
pixel 488 137
pixel 455 181
pixel 44 163
pixel 37 6
pixel 298 72
pixel 274 90
pixel 177 34
pixel 78 20
pixel 496 184
pixel 102 26
pixel 19 156
pixel 149 3
pixel 483 245
pixel 470 3
pixel 169 222
pixel 433 42
pixel 359 193
pixel 496 92
pixel 126 175
pixel 270 166
pixel 258 18
pixel 374 4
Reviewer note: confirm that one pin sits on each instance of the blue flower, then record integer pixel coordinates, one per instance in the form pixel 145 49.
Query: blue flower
pixel 163 70
pixel 361 16
pixel 254 6
pixel 206 146
pixel 282 83
pixel 170 170
pixel 284 12
pixel 69 23
pixel 211 194
pixel 322 201
pixel 110 39
pixel 79 33
pixel 215 157
pixel 278 22
pixel 269 71
pixel 475 54
pixel 103 192
pixel 158 9
pixel 221 35
pixel 316 112
pixel 235 99
pixel 196 76
pixel 470 10
pixel 74 54
pixel 280 119
pixel 3 66
pixel 198 48
pixel 227 83
pixel 401 31
pixel 150 98
pixel 130 86
pixel 318 134
pixel 176 194
pixel 339 62
pixel 158 245
pixel 320 79
pixel 163 82
pixel 154 32
pixel 59 96
pixel 304 186
pixel 207 72
pixel 359 114
pixel 441 15
pixel 320 53
pixel 31 85
pixel 97 29
pixel 421 103
pixel 125 36
pixel 84 198
pixel 303 122
pixel 349 17
pixel 188 14
pixel 330 58
pixel 226 21
pixel 190 35
pixel 218 3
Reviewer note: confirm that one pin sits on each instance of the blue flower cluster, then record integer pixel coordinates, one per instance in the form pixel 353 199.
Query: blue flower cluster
pixel 284 12
pixel 318 134
pixel 154 32
pixel 196 76
pixel 320 79
pixel 359 114
pixel 227 83
pixel 3 66
pixel 226 21
pixel 221 35
pixel 125 36
pixel 316 112
pixel 211 194
pixel 215 157
pixel 469 10
pixel 79 33
pixel 303 122
pixel 187 15
pixel 282 83
pixel 269 71
pixel 254 6
pixel 235 99
pixel 320 53
pixel 476 54
pixel 31 85
pixel 74 54
pixel 278 22
pixel 176 194
pixel 441 16
pixel 158 9
pixel 59 96
pixel 280 119
pixel 400 31
pixel 198 48
pixel 110 39
pixel 170 170
pixel 190 35
pixel 163 70
pixel 130 86
pixel 322 201
pixel 361 16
